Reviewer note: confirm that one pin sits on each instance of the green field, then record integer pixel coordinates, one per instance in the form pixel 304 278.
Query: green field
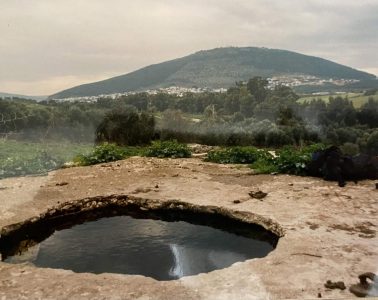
pixel 23 158
pixel 358 99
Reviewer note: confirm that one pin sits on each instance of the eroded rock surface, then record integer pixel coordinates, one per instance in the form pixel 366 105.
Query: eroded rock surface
pixel 329 233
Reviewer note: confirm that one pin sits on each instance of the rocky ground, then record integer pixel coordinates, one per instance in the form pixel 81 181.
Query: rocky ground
pixel 329 233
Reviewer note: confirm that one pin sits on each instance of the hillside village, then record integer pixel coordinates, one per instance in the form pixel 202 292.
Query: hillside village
pixel 289 81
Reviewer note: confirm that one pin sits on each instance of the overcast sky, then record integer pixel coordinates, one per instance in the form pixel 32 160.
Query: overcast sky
pixel 50 45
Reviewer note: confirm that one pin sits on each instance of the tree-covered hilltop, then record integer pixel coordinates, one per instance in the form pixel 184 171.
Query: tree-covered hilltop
pixel 216 68
pixel 247 114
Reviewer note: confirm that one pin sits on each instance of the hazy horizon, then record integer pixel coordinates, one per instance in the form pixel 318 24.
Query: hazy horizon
pixel 48 46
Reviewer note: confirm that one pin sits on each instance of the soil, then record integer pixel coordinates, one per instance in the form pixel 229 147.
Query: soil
pixel 328 232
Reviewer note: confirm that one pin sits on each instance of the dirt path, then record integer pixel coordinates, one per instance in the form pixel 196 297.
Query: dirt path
pixel 330 232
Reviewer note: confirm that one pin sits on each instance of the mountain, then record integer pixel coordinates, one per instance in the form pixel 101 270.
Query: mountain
pixel 220 67
pixel 37 98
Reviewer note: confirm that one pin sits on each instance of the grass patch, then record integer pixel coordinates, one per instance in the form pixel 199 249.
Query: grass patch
pixel 262 166
pixel 40 163
pixel 19 158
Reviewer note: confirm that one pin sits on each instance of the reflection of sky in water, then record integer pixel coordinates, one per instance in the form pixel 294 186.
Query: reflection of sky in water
pixel 189 261
pixel 162 250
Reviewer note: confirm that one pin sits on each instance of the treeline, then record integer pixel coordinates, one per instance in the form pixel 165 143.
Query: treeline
pixel 30 120
pixel 247 114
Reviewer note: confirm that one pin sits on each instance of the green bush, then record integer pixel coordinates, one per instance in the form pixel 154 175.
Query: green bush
pixel 41 163
pixel 238 155
pixel 290 160
pixel 168 149
pixel 104 153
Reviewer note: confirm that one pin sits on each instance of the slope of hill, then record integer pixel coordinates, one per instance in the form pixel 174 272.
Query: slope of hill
pixel 219 67
pixel 7 95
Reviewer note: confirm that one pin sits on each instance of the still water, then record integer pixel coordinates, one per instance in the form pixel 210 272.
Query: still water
pixel 155 248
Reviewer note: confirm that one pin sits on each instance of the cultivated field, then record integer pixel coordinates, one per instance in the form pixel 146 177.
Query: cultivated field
pixel 358 99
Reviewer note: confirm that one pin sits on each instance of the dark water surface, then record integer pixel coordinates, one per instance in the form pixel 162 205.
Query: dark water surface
pixel 155 248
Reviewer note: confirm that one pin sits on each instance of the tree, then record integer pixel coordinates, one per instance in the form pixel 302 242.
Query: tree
pixel 210 113
pixel 369 113
pixel 372 143
pixel 173 119
pixel 161 101
pixel 257 87
pixel 232 100
pixel 287 117
pixel 126 128
pixel 277 138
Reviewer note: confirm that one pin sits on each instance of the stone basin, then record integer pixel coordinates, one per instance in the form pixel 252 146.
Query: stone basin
pixel 327 232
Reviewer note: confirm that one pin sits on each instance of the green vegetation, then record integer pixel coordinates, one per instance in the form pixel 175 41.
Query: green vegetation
pixel 28 120
pixel 41 163
pixel 126 127
pixel 372 142
pixel 64 150
pixel 238 155
pixel 262 166
pixel 19 158
pixel 248 115
pixel 171 149
pixel 105 153
pixel 288 160
pixel 358 99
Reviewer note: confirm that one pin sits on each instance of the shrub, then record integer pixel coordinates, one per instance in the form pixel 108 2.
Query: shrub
pixel 238 155
pixel 171 148
pixel 103 153
pixel 290 160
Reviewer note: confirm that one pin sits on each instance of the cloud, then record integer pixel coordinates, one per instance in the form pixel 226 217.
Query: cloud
pixel 42 40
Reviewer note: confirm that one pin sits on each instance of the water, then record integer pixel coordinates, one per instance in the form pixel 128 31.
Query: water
pixel 155 248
